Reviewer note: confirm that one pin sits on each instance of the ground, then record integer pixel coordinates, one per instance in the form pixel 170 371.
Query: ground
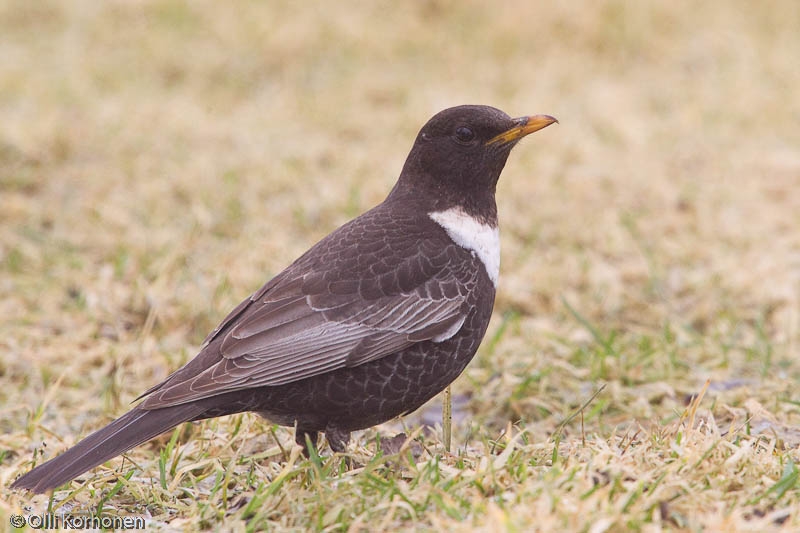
pixel 160 160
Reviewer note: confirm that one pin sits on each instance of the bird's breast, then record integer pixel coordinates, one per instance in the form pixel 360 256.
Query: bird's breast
pixel 480 238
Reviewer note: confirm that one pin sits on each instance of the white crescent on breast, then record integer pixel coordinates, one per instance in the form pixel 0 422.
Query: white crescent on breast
pixel 481 239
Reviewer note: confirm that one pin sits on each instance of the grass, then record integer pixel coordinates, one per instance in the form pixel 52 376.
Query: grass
pixel 160 160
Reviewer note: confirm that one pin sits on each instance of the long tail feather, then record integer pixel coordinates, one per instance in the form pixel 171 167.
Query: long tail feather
pixel 124 433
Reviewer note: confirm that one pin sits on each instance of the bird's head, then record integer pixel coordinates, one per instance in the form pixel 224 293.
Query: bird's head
pixel 461 151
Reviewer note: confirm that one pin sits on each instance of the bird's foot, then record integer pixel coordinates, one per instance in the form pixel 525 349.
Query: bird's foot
pixel 337 439
pixel 306 439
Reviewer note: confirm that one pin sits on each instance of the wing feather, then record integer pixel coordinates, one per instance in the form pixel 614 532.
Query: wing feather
pixel 313 319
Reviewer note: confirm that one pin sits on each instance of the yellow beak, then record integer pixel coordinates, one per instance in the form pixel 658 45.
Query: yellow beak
pixel 525 125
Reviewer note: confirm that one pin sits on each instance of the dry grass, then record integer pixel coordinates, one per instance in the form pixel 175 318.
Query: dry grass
pixel 159 161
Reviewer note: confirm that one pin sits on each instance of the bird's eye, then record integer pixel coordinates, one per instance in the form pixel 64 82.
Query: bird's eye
pixel 425 136
pixel 464 134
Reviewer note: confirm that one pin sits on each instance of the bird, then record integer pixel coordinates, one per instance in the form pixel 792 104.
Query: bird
pixel 369 324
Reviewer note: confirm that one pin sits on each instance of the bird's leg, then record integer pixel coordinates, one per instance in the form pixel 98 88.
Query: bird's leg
pixel 337 439
pixel 303 438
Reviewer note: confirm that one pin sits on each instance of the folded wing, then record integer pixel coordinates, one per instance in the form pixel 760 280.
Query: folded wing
pixel 310 323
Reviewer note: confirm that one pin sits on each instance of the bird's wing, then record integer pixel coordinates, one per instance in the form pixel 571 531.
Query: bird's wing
pixel 299 326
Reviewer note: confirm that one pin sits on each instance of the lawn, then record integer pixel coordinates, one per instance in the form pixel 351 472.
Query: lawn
pixel 160 160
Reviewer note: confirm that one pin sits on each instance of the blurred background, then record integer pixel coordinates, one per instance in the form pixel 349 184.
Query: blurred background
pixel 160 160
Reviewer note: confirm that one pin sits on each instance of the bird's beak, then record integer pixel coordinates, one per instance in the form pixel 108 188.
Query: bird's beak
pixel 525 125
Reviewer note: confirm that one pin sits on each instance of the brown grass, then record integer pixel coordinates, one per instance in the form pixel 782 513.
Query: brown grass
pixel 160 160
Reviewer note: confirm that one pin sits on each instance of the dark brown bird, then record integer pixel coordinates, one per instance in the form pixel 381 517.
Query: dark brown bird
pixel 370 323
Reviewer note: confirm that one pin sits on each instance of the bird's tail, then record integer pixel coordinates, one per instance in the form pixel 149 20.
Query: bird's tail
pixel 129 430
